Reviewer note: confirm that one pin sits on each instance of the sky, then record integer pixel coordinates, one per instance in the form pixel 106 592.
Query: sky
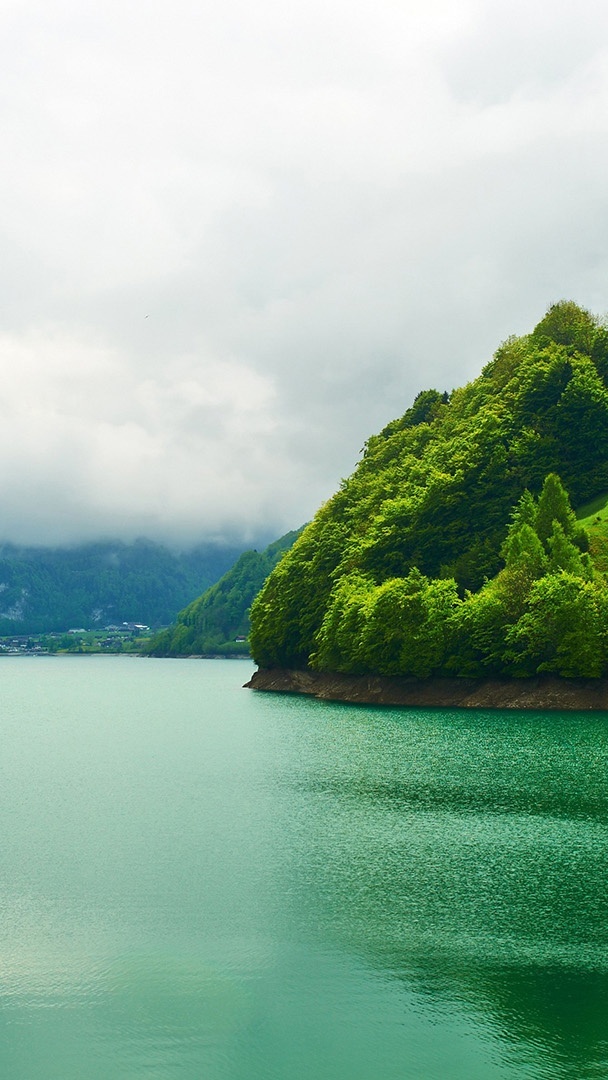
pixel 238 239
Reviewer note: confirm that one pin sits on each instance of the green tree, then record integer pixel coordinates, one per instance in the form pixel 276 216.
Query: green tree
pixel 405 629
pixel 339 643
pixel 477 634
pixel 568 324
pixel 524 552
pixel 524 513
pixel 564 555
pixel 564 630
pixel 397 628
pixel 554 505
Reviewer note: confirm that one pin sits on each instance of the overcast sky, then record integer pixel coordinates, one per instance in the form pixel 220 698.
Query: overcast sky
pixel 238 238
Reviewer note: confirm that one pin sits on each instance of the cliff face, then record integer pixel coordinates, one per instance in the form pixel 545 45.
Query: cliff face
pixel 542 692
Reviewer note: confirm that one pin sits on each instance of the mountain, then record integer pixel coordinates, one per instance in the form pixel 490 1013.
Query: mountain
pixel 216 621
pixel 452 549
pixel 46 589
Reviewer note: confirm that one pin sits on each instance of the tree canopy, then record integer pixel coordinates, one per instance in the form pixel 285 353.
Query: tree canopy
pixel 453 548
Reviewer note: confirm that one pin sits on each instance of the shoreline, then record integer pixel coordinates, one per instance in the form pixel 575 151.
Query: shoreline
pixel 546 692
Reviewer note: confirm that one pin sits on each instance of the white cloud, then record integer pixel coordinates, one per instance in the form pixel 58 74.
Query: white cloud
pixel 239 239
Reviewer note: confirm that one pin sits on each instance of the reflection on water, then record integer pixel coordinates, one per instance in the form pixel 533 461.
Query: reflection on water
pixel 199 881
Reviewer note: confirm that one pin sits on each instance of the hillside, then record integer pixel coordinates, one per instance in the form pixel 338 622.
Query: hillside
pixel 214 621
pixel 452 549
pixel 48 589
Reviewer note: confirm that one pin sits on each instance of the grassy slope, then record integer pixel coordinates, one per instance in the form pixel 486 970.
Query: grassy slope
pixel 593 516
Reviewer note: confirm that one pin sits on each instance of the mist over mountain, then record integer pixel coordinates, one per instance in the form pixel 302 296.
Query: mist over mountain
pixel 93 585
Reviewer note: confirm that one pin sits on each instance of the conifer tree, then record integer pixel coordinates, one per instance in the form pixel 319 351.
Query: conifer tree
pixel 564 555
pixel 554 505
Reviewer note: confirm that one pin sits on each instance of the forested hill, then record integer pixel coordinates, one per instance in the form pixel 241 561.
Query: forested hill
pixel 448 551
pixel 218 621
pixel 45 589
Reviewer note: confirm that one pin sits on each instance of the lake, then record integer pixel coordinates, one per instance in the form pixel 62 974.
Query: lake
pixel 200 882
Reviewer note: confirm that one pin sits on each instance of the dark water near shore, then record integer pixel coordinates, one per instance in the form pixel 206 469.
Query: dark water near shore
pixel 198 882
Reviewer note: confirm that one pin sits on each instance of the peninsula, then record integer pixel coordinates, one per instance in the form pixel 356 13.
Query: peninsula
pixel 451 568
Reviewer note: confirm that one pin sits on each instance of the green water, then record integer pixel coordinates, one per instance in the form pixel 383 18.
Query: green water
pixel 198 882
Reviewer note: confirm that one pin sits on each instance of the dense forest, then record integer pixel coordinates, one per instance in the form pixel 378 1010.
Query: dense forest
pixel 453 548
pixel 218 621
pixel 47 589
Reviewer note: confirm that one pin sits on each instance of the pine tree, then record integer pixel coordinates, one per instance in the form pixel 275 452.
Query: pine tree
pixel 554 505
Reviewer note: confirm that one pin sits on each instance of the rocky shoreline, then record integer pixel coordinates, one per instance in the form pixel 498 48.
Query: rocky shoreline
pixel 541 692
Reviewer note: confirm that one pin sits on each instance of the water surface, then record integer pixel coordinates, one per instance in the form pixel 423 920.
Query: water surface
pixel 198 882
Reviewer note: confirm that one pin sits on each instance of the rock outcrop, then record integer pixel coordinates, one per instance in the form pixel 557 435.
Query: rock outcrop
pixel 542 692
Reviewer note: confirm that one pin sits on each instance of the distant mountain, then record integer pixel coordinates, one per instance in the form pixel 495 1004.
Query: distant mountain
pixel 46 589
pixel 216 621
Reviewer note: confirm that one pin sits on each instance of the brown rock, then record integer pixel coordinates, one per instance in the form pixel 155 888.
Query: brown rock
pixel 541 692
